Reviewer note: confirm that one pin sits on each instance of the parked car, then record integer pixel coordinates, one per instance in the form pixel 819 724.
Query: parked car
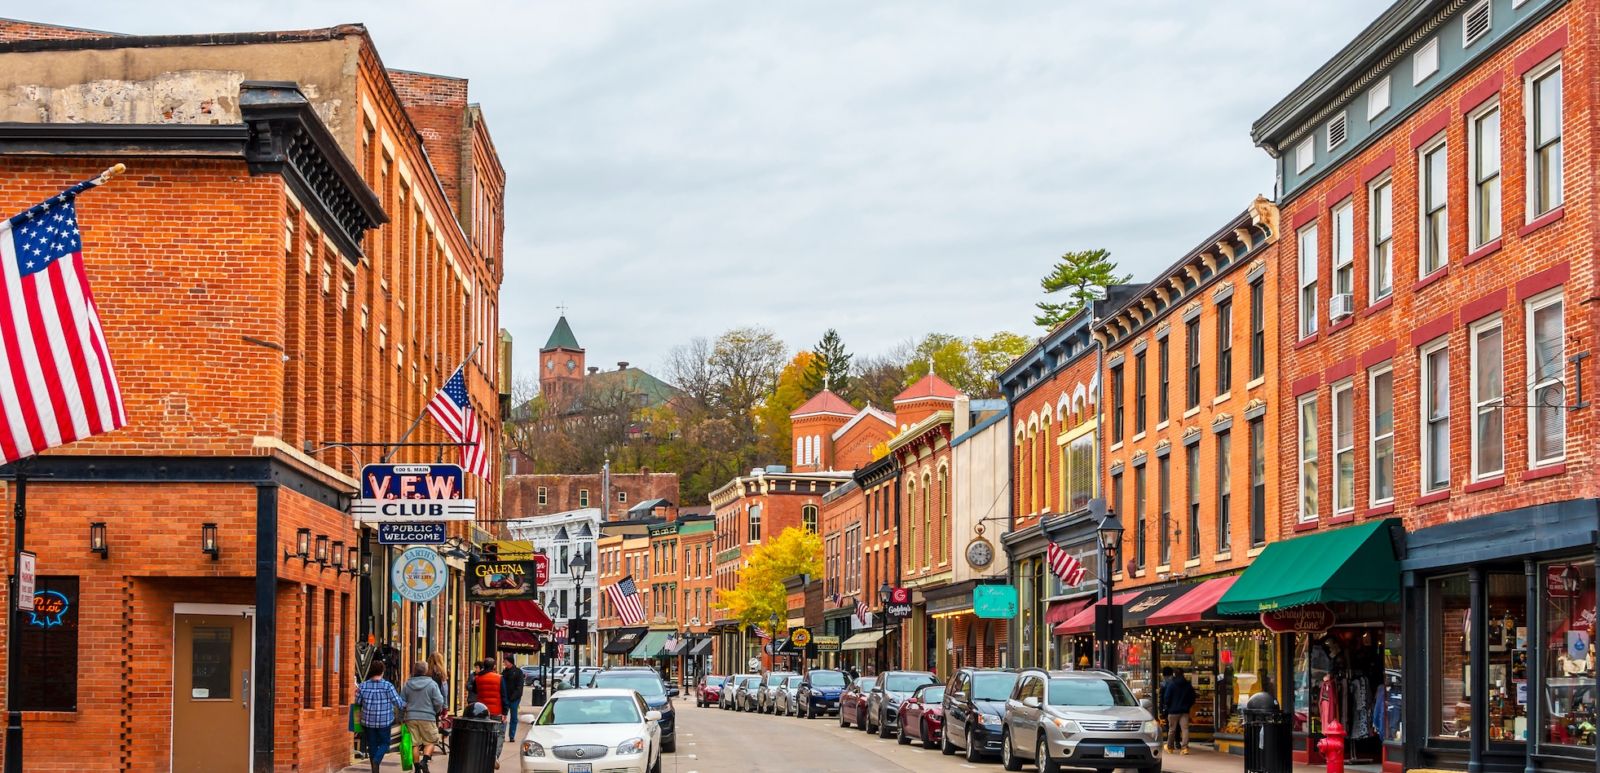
pixel 744 697
pixel 787 700
pixel 1078 719
pixel 973 707
pixel 730 692
pixel 820 691
pixel 612 729
pixel 883 703
pixel 767 694
pixel 921 716
pixel 657 696
pixel 709 690
pixel 853 702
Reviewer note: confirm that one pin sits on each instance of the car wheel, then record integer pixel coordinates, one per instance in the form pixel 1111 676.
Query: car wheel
pixel 1042 757
pixel 842 721
pixel 670 746
pixel 883 726
pixel 1008 760
pixel 974 754
pixel 900 736
pixel 927 737
pixel 866 720
pixel 811 710
pixel 656 768
pixel 945 747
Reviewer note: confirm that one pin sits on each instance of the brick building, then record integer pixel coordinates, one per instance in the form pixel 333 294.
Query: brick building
pixel 830 434
pixel 280 270
pixel 696 540
pixel 1435 180
pixel 529 495
pixel 926 412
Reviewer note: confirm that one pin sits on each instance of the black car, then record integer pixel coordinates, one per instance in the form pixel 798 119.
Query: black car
pixel 819 693
pixel 883 703
pixel 657 695
pixel 973 705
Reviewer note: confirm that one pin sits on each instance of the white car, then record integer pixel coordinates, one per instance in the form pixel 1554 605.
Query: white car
pixel 593 730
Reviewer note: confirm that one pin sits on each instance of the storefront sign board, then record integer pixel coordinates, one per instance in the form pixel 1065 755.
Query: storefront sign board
pixel 1312 618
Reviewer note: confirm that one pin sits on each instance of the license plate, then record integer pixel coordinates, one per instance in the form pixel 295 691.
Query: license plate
pixel 580 767
pixel 1116 752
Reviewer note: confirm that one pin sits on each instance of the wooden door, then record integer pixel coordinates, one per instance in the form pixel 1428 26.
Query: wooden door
pixel 211 693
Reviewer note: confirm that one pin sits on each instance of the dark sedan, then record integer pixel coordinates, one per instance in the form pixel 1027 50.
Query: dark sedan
pixel 853 702
pixel 656 695
pixel 973 705
pixel 820 692
pixel 921 716
pixel 883 703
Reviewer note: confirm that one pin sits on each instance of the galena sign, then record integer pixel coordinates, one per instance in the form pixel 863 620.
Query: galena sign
pixel 412 493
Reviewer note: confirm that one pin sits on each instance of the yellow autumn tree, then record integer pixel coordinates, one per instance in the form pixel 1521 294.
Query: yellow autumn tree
pixel 759 593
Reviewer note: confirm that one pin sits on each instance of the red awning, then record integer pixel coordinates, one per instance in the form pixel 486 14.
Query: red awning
pixel 1061 611
pixel 516 639
pixel 521 615
pixel 1083 621
pixel 1196 605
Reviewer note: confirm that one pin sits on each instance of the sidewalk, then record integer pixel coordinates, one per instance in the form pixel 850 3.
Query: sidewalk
pixel 510 761
pixel 1205 760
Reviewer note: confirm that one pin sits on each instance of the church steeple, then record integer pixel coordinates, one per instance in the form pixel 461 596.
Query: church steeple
pixel 562 338
pixel 560 361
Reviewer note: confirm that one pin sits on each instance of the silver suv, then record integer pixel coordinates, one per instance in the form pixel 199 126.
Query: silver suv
pixel 1077 719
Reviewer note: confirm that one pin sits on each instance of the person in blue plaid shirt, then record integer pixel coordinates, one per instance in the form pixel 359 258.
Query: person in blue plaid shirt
pixel 378 701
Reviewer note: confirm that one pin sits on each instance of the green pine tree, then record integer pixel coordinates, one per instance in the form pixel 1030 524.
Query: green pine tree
pixel 1084 276
pixel 831 368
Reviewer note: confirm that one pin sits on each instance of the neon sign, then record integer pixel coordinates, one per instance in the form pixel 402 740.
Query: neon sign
pixel 49 609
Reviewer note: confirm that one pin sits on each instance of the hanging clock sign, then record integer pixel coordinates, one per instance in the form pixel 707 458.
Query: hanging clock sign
pixel 980 553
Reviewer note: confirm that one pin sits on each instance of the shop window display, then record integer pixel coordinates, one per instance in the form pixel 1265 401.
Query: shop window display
pixel 1450 607
pixel 1506 635
pixel 1134 664
pixel 1340 675
pixel 1568 590
pixel 1246 661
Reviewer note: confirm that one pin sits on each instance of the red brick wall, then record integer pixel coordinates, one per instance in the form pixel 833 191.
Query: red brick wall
pixel 14 30
pixel 1036 422
pixel 698 581
pixel 854 450
pixel 437 105
pixel 561 492
pixel 925 519
pixel 1421 310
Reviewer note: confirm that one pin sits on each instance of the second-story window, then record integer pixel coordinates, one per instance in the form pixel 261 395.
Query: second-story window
pixel 755 523
pixel 1433 176
pixel 583 497
pixel 1545 189
pixel 1192 364
pixel 1308 280
pixel 1163 380
pixel 808 517
pixel 1484 162
pixel 1140 531
pixel 1258 482
pixel 1225 346
pixel 1258 329
pixel 1344 448
pixel 1381 216
pixel 1547 391
pixel 1164 499
pixel 1191 472
pixel 1435 417
pixel 1116 403
pixel 1307 410
pixel 1380 401
pixel 1138 392
pixel 1224 492
pixel 1488 400
pixel 544 496
pixel 1340 303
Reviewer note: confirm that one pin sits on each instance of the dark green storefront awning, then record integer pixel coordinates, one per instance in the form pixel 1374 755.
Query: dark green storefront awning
pixel 1352 564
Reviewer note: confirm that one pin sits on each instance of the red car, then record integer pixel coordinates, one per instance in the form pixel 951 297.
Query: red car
pixel 922 716
pixel 710 690
pixel 853 702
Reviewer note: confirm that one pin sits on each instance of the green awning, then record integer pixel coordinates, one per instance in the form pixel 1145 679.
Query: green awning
pixel 650 646
pixel 1352 564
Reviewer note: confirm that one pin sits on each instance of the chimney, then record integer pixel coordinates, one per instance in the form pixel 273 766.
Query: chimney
pixel 623 365
pixel 593 369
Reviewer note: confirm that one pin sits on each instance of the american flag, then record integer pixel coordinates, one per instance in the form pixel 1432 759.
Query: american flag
pixel 624 596
pixel 453 410
pixel 670 644
pixel 761 633
pixel 1064 565
pixel 862 610
pixel 59 385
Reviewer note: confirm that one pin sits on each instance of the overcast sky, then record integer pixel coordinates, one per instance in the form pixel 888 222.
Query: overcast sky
pixel 886 168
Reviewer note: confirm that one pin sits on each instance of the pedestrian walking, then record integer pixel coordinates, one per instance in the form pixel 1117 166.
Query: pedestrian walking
pixel 486 688
pixel 511 682
pixel 424 704
pixel 1180 701
pixel 1161 706
pixel 440 673
pixel 378 701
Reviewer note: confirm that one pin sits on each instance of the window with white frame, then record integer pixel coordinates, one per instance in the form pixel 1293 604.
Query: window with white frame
pixel 1488 400
pixel 1344 253
pixel 1080 472
pixel 1380 406
pixel 1307 412
pixel 544 495
pixel 1344 447
pixel 1432 177
pixel 1308 281
pixel 1305 154
pixel 1378 98
pixel 1425 62
pixel 1483 160
pixel 1547 393
pixel 1380 208
pixel 1435 358
pixel 1545 190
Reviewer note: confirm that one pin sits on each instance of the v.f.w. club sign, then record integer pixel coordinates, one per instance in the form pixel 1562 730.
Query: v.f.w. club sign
pixel 412 493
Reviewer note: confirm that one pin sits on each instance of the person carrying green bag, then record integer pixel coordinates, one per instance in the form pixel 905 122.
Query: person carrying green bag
pixel 424 704
pixel 378 701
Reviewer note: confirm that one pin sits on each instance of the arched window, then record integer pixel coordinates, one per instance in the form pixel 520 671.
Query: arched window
pixel 1033 467
pixel 945 537
pixel 1046 491
pixel 808 516
pixel 755 523
pixel 799 450
pixel 910 548
pixel 816 455
pixel 929 539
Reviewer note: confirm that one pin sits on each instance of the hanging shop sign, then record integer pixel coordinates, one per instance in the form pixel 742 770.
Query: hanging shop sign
pixel 493 580
pixel 396 533
pixel 419 575
pixel 826 643
pixel 1562 582
pixel 899 602
pixel 800 636
pixel 1312 618
pixel 995 602
pixel 412 493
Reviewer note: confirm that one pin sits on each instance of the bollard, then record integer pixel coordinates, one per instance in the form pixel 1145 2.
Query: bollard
pixel 1332 746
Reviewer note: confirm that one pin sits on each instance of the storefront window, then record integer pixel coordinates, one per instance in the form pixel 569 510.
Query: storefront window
pixel 1506 634
pixel 1568 589
pixel 1449 610
pixel 1391 694
pixel 1134 664
pixel 1246 662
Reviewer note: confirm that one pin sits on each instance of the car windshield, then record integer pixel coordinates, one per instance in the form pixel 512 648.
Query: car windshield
pixel 906 682
pixel 992 687
pixel 827 679
pixel 775 679
pixel 716 681
pixel 866 682
pixel 591 710
pixel 1089 692
pixel 933 694
pixel 793 681
pixel 751 681
pixel 643 683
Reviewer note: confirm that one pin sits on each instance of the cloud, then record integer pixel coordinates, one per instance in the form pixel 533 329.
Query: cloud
pixel 886 168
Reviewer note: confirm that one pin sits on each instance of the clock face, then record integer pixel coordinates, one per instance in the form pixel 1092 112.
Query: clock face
pixel 550 364
pixel 571 365
pixel 980 553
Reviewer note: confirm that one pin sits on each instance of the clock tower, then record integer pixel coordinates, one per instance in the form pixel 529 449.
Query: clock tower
pixel 561 367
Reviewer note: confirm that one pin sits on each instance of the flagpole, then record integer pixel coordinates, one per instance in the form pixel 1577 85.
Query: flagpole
pixel 413 428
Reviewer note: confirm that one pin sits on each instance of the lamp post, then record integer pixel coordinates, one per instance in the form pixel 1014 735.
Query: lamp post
pixel 1110 531
pixel 549 662
pixel 772 642
pixel 576 624
pixel 884 591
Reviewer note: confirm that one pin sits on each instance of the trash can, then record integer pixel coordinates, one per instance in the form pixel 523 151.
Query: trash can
pixel 474 745
pixel 1268 742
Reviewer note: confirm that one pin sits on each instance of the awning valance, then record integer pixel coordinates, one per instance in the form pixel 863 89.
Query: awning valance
pixel 1061 611
pixel 523 615
pixel 516 639
pixel 702 647
pixel 650 646
pixel 624 641
pixel 1353 564
pixel 1083 621
pixel 1198 605
pixel 865 640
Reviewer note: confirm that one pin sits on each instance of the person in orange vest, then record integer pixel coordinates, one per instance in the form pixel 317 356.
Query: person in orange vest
pixel 486 686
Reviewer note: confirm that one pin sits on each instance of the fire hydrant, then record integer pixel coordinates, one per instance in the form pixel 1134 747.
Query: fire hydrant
pixel 1332 746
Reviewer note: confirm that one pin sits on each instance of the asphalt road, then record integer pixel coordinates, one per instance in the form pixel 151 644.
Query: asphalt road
pixel 711 740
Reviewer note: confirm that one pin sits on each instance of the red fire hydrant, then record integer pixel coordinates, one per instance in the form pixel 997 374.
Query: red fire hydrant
pixel 1332 746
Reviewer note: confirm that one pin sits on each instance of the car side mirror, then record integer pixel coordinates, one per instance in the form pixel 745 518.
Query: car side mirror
pixel 958 696
pixel 672 692
pixel 1031 702
pixel 527 719
pixel 652 716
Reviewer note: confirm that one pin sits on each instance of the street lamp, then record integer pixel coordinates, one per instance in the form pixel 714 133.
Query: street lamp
pixel 549 667
pixel 577 626
pixel 1110 531
pixel 884 592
